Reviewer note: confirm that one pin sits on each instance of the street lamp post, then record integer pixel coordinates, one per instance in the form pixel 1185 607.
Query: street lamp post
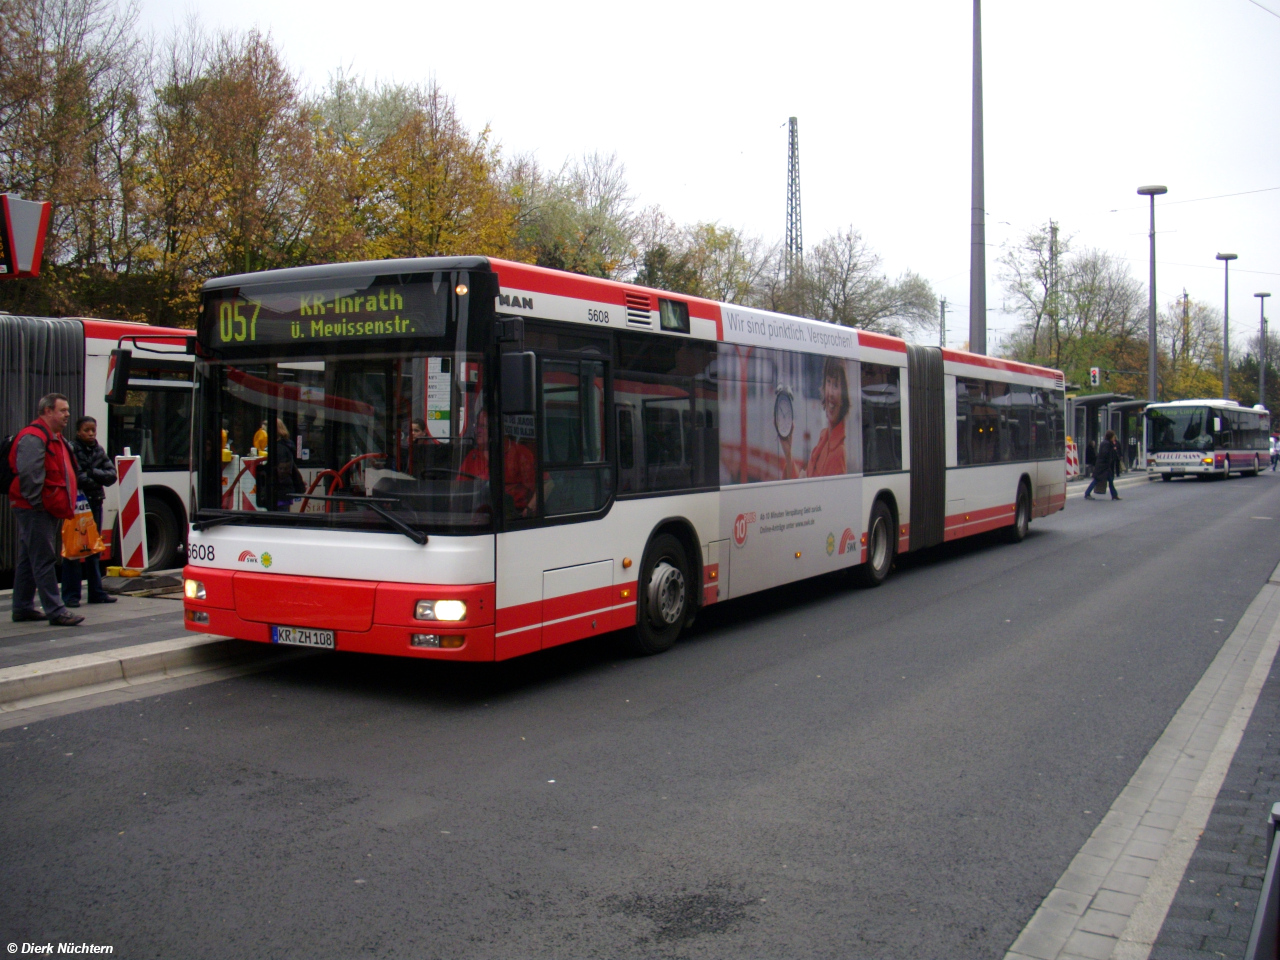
pixel 1152 192
pixel 1262 349
pixel 1226 259
pixel 977 205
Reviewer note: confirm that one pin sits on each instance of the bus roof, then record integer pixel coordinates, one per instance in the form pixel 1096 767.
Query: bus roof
pixel 1207 402
pixel 96 328
pixel 708 318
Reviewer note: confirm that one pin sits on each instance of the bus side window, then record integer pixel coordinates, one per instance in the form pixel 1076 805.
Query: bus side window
pixel 575 477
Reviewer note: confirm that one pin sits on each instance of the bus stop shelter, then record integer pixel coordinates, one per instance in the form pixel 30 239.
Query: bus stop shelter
pixel 1125 418
pixel 1088 418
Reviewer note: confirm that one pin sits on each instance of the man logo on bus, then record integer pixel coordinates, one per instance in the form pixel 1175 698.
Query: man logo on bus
pixel 248 557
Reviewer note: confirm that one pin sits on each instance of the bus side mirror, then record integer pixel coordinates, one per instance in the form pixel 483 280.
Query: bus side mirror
pixel 118 376
pixel 1217 425
pixel 518 382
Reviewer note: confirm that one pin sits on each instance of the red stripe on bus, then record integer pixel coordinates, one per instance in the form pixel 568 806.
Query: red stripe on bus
pixel 1008 366
pixel 524 276
pixel 977 521
pixel 881 341
pixel 557 608
pixel 95 329
pixel 519 615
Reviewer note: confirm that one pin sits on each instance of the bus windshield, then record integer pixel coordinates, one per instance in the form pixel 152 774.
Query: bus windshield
pixel 374 440
pixel 1172 429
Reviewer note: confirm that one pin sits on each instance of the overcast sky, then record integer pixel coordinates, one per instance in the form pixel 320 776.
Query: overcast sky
pixel 1085 101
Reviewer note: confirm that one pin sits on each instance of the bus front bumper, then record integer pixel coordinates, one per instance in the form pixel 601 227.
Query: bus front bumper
pixel 360 616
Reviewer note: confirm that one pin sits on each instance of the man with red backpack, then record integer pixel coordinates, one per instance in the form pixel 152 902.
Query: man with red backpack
pixel 42 495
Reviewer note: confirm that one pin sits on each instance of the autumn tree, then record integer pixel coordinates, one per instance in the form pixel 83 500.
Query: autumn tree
pixel 438 189
pixel 843 283
pixel 69 124
pixel 581 218
pixel 1079 310
pixel 1190 335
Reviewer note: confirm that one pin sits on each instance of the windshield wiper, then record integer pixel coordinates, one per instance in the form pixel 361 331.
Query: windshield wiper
pixel 417 536
pixel 215 521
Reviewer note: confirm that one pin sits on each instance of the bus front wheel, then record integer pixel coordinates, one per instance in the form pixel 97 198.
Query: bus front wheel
pixel 880 539
pixel 164 534
pixel 663 596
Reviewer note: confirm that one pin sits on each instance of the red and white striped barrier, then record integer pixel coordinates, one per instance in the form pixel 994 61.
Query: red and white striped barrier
pixel 240 483
pixel 1073 459
pixel 133 515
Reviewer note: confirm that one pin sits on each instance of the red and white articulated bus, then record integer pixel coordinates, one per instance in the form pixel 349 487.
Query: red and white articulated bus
pixel 471 459
pixel 73 356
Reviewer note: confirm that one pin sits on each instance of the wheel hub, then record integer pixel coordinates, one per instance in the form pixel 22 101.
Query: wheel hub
pixel 666 594
pixel 879 545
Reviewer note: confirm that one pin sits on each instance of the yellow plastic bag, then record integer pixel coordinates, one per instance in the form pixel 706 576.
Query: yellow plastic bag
pixel 80 537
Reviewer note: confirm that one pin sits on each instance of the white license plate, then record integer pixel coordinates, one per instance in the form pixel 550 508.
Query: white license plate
pixel 1177 469
pixel 303 637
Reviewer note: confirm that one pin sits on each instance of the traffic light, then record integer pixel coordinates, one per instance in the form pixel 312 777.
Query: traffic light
pixel 1093 376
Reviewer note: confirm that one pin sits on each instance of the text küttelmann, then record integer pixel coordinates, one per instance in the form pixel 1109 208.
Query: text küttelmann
pixel 48 949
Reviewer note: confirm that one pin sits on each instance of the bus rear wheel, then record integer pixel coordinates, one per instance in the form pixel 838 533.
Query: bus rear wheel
pixel 662 596
pixel 880 540
pixel 1021 516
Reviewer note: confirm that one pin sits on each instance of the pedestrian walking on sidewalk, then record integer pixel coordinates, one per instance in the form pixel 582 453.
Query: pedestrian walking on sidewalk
pixel 94 472
pixel 42 495
pixel 1105 467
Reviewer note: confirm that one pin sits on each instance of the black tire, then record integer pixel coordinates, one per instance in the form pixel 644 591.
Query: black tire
pixel 663 596
pixel 163 534
pixel 1166 477
pixel 881 541
pixel 1021 516
pixel 1253 472
pixel 1226 472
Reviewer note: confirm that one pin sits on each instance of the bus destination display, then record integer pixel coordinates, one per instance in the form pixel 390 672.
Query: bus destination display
pixel 393 311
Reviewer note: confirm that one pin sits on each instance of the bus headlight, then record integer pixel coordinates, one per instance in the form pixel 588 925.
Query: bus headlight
pixel 451 610
pixel 1207 461
pixel 193 589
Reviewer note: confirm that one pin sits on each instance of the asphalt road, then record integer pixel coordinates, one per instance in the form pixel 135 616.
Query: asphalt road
pixel 817 771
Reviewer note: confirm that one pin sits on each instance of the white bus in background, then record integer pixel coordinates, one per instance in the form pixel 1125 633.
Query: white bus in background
pixel 474 459
pixel 1206 438
pixel 72 356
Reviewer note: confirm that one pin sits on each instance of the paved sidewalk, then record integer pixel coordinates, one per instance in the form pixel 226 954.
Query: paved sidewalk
pixel 129 621
pixel 1117 896
pixel 1212 912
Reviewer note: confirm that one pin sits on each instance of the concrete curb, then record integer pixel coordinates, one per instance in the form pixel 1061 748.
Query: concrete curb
pixel 45 681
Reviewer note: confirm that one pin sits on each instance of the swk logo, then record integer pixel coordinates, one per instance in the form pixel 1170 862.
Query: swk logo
pixel 520 303
pixel 247 557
